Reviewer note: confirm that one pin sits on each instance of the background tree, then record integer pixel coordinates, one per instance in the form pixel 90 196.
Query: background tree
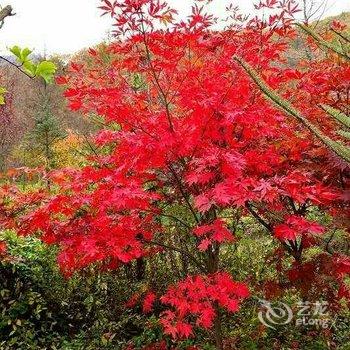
pixel 45 134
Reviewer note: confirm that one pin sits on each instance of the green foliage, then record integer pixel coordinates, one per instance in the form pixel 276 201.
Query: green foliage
pixel 42 138
pixel 2 97
pixel 345 134
pixel 46 70
pixel 138 82
pixel 21 54
pixel 43 69
pixel 338 115
pixel 25 314
pixel 40 309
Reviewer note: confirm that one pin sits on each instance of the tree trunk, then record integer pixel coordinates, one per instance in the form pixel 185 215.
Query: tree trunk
pixel 140 269
pixel 217 330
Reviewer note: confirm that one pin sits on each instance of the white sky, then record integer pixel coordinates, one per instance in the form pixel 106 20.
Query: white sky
pixel 66 26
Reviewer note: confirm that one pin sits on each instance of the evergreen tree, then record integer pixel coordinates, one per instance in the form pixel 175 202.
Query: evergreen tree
pixel 47 130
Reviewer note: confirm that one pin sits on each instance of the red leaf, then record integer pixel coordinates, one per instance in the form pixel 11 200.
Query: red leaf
pixel 148 302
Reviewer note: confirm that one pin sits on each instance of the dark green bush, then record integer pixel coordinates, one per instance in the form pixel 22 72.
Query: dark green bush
pixel 40 309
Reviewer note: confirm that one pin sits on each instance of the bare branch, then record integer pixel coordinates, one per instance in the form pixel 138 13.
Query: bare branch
pixel 176 249
pixel 5 12
pixel 19 67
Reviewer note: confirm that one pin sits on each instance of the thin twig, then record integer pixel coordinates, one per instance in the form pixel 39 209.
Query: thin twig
pixel 190 256
pixel 19 67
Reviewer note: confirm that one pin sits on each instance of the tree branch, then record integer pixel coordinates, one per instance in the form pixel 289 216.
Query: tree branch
pixel 17 66
pixel 190 256
pixel 321 42
pixel 257 217
pixel 170 217
pixel 267 225
pixel 342 150
pixel 6 12
pixel 183 193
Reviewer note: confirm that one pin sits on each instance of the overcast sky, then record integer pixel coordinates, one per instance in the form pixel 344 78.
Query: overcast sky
pixel 66 26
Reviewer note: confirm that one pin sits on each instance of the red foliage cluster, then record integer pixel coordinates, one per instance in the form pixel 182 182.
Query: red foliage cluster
pixel 15 204
pixel 3 248
pixel 214 232
pixel 200 296
pixel 296 226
